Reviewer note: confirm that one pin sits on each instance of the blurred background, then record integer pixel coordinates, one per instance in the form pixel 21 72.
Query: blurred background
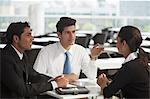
pixel 98 21
pixel 91 15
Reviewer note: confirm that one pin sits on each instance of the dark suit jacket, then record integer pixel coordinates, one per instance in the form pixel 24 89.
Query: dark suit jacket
pixel 133 80
pixel 18 78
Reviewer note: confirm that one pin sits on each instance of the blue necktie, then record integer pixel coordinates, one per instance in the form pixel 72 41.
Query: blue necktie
pixel 67 65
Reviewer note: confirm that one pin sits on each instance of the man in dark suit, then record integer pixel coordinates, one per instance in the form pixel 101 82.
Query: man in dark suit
pixel 18 79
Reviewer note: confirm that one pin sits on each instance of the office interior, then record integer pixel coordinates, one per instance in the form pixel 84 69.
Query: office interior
pixel 98 21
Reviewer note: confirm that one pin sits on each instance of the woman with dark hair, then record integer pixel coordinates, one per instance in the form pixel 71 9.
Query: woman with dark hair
pixel 134 76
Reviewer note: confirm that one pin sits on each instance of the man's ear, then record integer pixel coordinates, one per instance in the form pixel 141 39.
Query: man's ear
pixel 124 43
pixel 15 38
pixel 59 35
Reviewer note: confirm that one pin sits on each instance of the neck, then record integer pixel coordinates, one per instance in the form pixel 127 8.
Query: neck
pixel 18 48
pixel 126 54
pixel 66 47
pixel 126 51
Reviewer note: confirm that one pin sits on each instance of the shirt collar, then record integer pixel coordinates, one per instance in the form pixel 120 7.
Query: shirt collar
pixel 130 57
pixel 64 50
pixel 19 54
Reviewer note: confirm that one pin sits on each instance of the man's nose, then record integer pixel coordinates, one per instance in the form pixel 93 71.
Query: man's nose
pixel 72 35
pixel 32 38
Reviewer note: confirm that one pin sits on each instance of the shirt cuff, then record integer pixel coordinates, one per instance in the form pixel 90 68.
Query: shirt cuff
pixel 54 84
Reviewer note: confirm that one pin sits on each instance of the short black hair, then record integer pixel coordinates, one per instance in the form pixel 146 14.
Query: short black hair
pixel 16 28
pixel 64 22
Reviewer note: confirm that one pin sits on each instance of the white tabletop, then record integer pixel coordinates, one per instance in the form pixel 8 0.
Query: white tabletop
pixel 77 34
pixel 145 43
pixel 89 84
pixel 114 49
pixel 46 39
pixel 146 49
pixel 109 63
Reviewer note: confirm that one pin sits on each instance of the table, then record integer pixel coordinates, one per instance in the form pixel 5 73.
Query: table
pixel 46 39
pixel 114 49
pixel 89 84
pixel 109 63
pixel 145 43
pixel 146 49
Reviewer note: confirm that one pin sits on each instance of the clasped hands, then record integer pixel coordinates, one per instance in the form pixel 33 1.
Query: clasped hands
pixel 103 81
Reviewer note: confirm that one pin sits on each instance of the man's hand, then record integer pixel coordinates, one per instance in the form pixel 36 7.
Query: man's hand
pixel 61 81
pixel 71 77
pixel 96 51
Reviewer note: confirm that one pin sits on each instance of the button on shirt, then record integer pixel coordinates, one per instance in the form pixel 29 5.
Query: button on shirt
pixel 50 61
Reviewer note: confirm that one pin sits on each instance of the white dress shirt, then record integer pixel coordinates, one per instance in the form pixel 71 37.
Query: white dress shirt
pixel 19 54
pixel 50 61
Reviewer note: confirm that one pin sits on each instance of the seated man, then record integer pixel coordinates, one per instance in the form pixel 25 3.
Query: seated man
pixel 18 79
pixel 52 59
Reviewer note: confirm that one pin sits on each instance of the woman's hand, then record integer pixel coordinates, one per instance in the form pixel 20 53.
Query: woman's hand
pixel 102 81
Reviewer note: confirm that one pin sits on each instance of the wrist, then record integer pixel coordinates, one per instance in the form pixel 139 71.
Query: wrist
pixel 102 89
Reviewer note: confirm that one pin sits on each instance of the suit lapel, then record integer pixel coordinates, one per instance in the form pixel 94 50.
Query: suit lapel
pixel 25 62
pixel 21 64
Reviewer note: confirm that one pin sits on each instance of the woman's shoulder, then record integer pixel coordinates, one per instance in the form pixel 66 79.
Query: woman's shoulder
pixel 134 64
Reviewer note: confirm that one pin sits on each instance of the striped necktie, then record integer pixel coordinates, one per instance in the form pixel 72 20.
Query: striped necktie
pixel 67 65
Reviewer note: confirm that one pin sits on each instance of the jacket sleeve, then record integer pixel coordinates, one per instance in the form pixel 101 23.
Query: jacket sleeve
pixel 122 78
pixel 14 78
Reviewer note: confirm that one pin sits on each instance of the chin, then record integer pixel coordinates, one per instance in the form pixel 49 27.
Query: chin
pixel 29 47
pixel 72 43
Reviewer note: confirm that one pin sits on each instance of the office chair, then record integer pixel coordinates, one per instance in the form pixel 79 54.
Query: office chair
pixel 99 38
pixel 83 40
pixel 3 38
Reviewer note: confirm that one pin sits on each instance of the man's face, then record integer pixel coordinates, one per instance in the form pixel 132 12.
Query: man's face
pixel 25 40
pixel 68 36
